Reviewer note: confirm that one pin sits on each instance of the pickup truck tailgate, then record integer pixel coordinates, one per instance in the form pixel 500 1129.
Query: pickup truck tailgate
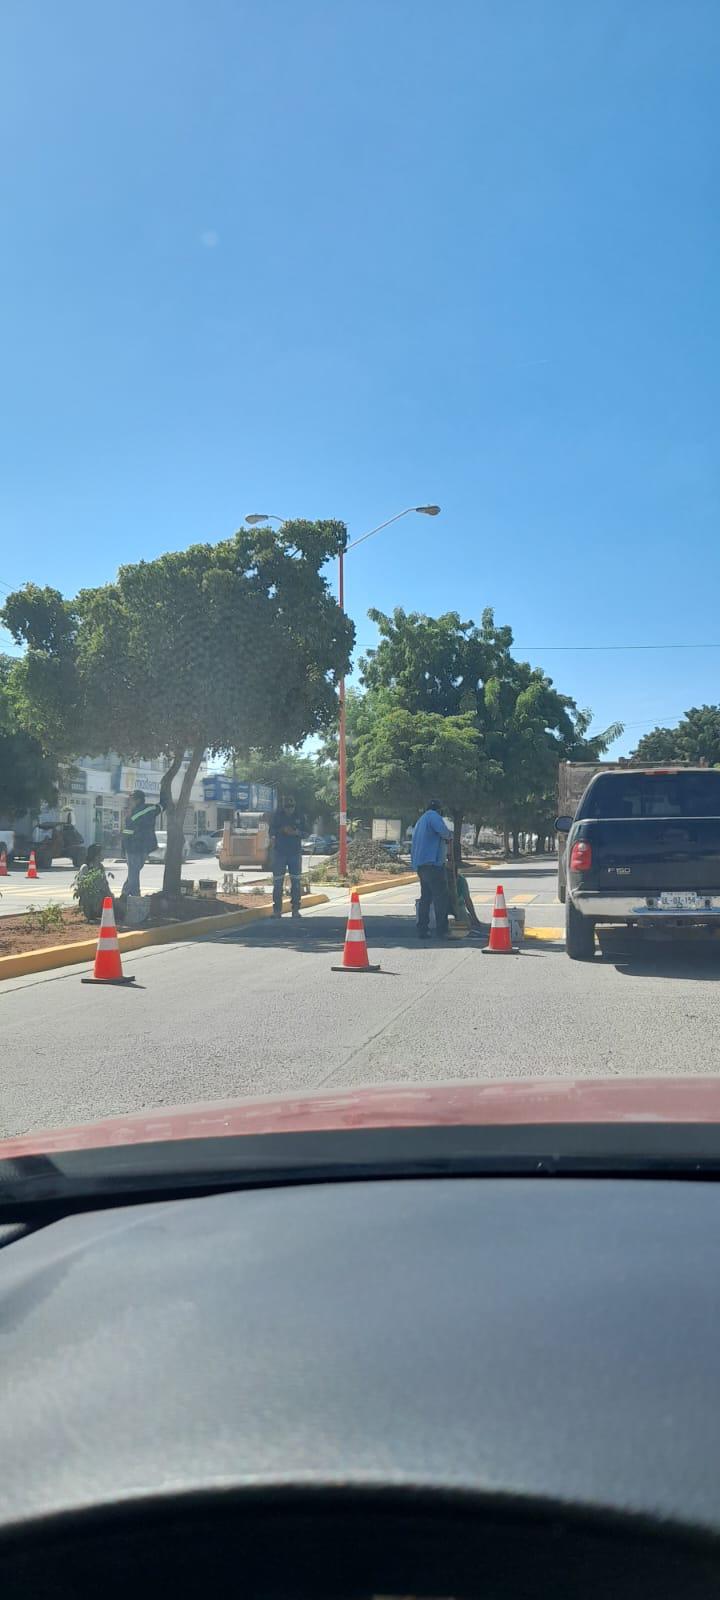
pixel 655 853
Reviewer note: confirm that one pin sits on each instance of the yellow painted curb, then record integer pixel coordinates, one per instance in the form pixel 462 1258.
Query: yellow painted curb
pixel 398 882
pixel 67 955
pixel 550 935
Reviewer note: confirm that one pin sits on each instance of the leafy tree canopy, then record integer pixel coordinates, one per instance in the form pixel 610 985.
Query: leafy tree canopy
pixel 217 647
pixel 447 667
pixel 696 739
pixel 28 776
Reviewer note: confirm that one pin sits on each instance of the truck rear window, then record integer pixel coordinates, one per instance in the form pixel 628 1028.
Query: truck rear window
pixel 641 794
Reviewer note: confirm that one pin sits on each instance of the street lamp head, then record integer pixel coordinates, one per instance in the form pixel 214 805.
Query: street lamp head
pixel 257 516
pixel 429 511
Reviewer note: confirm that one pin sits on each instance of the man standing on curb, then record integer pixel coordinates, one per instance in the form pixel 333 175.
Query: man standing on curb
pixel 286 831
pixel 428 857
pixel 139 838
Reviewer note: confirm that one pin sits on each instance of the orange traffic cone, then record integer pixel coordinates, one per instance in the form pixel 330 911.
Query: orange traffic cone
pixel 32 871
pixel 3 863
pixel 108 966
pixel 355 953
pixel 499 943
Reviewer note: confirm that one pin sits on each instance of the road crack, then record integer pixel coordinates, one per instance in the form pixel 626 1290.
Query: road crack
pixel 400 1012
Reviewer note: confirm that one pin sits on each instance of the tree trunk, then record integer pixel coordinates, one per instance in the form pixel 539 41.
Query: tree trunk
pixel 176 810
pixel 540 846
pixel 457 817
pixel 515 844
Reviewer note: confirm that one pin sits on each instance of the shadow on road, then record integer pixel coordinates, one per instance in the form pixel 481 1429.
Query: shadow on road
pixel 638 958
pixel 315 935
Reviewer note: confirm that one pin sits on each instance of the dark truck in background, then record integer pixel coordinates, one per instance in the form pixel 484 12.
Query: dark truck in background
pixel 643 848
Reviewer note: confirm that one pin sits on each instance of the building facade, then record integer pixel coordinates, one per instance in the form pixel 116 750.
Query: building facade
pixel 97 789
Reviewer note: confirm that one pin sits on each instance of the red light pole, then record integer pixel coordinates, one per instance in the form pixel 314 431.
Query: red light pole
pixel 426 511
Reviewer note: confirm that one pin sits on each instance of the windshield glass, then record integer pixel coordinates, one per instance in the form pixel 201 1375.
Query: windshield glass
pixel 360 501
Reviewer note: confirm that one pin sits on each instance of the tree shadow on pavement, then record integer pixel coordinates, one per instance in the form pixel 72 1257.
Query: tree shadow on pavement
pixel 317 935
pixel 639 958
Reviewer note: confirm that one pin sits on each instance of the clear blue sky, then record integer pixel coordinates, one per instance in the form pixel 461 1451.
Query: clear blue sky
pixel 334 257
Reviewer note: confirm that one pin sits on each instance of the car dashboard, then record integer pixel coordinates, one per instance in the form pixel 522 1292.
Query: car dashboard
pixel 445 1386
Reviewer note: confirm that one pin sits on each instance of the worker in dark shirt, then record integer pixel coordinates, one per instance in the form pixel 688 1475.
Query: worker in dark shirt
pixel 139 838
pixel 286 832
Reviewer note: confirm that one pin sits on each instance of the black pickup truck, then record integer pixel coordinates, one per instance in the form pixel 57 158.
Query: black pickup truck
pixel 642 848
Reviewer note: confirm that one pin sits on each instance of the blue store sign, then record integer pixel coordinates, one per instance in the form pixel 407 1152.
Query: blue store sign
pixel 243 796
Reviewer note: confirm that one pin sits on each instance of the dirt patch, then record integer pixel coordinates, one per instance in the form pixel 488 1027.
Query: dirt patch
pixel 364 875
pixel 187 907
pixel 26 931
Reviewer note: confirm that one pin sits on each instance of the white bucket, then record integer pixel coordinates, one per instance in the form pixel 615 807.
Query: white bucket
pixel 516 918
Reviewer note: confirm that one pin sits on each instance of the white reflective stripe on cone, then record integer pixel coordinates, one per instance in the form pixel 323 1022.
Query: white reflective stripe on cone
pixel 354 936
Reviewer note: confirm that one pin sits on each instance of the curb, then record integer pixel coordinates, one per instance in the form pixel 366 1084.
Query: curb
pixel 398 882
pixel 68 955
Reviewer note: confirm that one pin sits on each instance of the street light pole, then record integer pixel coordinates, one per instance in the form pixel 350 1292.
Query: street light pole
pixel 426 511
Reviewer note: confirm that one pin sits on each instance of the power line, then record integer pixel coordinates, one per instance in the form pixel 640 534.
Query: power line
pixel 616 647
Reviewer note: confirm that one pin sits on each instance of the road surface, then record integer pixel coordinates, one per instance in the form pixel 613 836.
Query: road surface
pixel 260 1011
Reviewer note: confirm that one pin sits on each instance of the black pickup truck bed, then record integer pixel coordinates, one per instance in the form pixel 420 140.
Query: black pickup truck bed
pixel 644 847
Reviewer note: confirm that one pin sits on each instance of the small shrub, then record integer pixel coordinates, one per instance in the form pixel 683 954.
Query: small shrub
pixel 90 889
pixel 42 919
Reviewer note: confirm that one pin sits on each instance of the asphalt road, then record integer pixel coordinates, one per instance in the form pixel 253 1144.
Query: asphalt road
pixel 260 1011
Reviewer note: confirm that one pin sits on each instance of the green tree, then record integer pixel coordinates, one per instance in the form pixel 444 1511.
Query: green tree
pixel 218 647
pixel 28 775
pixel 449 667
pixel 406 757
pixel 696 739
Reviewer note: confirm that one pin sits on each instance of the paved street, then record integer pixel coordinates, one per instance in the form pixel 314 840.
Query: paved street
pixel 259 1011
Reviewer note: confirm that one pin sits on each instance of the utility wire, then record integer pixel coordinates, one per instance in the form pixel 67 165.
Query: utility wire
pixel 616 646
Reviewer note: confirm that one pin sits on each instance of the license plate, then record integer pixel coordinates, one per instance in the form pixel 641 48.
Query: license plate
pixel 679 902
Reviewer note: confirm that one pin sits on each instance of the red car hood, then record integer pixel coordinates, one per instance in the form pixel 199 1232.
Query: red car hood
pixel 598 1100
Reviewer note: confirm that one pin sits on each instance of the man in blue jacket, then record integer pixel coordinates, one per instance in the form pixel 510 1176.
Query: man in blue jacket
pixel 428 856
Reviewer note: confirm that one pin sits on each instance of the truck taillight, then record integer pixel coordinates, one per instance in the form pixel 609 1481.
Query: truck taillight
pixel 581 856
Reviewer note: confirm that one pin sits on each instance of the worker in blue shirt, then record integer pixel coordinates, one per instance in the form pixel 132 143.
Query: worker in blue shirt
pixel 428 856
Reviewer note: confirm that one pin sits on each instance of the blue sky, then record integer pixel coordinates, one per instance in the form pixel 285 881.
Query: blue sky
pixel 335 257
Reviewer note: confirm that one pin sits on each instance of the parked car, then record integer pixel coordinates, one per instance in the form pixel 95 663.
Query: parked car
pixel 319 844
pixel 643 849
pixel 205 844
pixel 160 852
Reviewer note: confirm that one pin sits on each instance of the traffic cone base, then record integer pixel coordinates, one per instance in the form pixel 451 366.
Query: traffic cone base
pixel 499 943
pixel 108 966
pixel 355 954
pixel 119 982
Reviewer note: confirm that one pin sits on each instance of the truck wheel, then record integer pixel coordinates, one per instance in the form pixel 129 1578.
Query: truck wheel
pixel 579 935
